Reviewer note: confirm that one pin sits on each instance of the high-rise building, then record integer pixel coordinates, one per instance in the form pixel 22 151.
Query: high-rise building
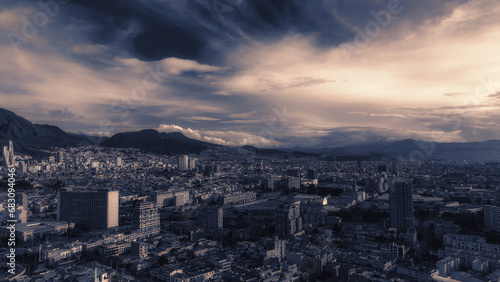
pixel 288 219
pixel 96 209
pixel 139 249
pixel 146 218
pixel 192 163
pixel 12 156
pixel 5 156
pixel 401 205
pixel 497 196
pixel 381 186
pixel 183 162
pixel 22 199
pixel 312 174
pixel 211 218
pixel 491 218
pixel 74 161
pixel 119 161
pixel 59 157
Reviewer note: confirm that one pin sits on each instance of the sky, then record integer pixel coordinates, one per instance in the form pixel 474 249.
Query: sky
pixel 268 73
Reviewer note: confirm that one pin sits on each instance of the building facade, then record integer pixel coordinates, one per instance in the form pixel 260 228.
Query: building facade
pixel 88 209
pixel 401 206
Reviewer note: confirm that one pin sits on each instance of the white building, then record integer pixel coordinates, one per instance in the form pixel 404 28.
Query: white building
pixel 469 248
pixel 448 265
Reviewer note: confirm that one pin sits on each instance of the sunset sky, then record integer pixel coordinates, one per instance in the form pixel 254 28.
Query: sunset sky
pixel 270 73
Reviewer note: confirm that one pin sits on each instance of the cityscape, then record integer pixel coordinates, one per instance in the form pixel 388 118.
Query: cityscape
pixel 238 140
pixel 95 213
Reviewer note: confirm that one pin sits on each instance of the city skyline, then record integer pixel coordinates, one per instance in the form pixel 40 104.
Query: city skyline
pixel 250 140
pixel 270 74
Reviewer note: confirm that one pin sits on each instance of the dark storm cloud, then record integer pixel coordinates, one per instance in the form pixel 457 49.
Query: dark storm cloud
pixel 247 58
pixel 205 30
pixel 198 29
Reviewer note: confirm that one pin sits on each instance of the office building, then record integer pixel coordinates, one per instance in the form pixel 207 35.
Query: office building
pixel 448 265
pixel 492 218
pixel 96 209
pixel 8 157
pixel 312 174
pixel 139 249
pixel 59 157
pixel 401 206
pixel 211 218
pixel 469 248
pixel 183 162
pixel 118 161
pixel 75 161
pixel 22 199
pixel 146 218
pixel 191 163
pixel 288 219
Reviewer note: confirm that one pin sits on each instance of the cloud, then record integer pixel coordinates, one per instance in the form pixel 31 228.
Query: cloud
pixel 221 93
pixel 61 114
pixel 228 138
pixel 199 118
pixel 142 63
pixel 177 66
pixel 88 49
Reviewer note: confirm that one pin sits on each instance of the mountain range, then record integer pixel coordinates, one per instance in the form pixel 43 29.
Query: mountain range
pixel 157 142
pixel 29 137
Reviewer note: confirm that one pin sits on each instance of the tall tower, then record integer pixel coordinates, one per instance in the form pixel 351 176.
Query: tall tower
pixel 59 157
pixel 288 219
pixel 5 156
pixel 183 162
pixel 12 157
pixel 211 218
pixel 192 163
pixel 401 205
pixel 491 217
pixel 146 218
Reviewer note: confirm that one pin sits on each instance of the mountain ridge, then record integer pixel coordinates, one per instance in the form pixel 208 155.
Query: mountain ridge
pixel 157 142
pixel 29 137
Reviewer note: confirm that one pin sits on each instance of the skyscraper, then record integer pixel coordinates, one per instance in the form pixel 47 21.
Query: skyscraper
pixel 96 209
pixel 491 217
pixel 183 162
pixel 5 156
pixel 22 200
pixel 401 205
pixel 192 163
pixel 146 218
pixel 312 174
pixel 288 219
pixel 211 218
pixel 59 157
pixel 12 157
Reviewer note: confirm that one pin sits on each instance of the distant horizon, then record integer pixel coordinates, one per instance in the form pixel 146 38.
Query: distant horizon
pixel 263 73
pixel 280 148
